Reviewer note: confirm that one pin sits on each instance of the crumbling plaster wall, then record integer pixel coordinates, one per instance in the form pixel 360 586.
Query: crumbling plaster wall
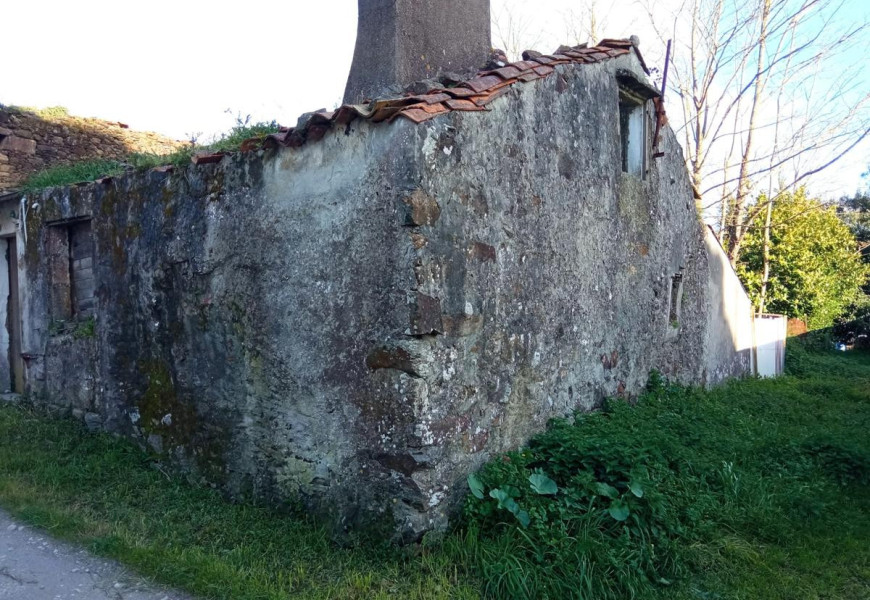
pixel 235 306
pixel 362 321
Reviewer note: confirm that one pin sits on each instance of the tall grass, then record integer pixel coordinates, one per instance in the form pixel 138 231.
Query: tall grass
pixel 755 490
pixel 688 493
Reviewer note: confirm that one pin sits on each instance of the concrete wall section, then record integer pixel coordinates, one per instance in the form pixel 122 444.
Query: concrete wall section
pixel 728 345
pixel 770 335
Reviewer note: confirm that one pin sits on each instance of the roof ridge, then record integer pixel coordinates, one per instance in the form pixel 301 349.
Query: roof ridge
pixel 471 95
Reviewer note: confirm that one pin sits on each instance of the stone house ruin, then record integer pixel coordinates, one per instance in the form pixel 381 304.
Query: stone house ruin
pixel 33 140
pixel 361 310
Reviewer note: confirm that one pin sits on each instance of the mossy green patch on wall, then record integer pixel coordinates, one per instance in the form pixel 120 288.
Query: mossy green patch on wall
pixel 161 411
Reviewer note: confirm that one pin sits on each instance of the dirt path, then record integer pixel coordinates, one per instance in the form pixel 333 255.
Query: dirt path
pixel 35 567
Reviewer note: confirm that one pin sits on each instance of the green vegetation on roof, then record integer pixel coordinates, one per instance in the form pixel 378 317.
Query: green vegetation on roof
pixel 49 112
pixel 87 170
pixel 91 170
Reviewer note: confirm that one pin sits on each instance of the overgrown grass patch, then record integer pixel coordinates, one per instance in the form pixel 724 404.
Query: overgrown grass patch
pixel 91 170
pixel 107 495
pixel 87 170
pixel 755 490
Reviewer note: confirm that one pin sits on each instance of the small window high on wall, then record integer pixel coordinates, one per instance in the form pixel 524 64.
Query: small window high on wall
pixel 634 126
pixel 632 132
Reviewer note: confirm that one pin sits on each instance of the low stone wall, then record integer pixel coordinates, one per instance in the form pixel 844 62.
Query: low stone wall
pixel 32 141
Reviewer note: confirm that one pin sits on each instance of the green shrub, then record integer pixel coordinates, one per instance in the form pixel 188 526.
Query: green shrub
pixel 230 141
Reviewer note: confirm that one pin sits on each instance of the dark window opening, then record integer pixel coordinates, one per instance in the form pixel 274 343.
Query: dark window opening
pixel 81 269
pixel 71 269
pixel 676 299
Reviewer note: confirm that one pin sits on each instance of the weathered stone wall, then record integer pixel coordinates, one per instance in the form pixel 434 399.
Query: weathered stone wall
pixel 362 321
pixel 32 141
pixel 235 307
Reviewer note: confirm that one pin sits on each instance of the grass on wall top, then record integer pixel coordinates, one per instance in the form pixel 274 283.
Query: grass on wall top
pixel 91 170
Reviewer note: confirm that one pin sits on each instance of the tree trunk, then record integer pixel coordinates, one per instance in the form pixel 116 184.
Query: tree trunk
pixel 765 253
pixel 736 227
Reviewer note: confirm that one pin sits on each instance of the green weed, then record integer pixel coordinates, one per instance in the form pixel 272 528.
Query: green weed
pixel 756 489
pixel 91 170
pixel 691 494
pixel 74 173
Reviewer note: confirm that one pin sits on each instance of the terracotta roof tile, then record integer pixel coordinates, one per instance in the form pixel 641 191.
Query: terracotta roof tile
pixel 616 43
pixel 460 92
pixel 508 72
pixel 483 82
pixel 417 115
pixel 432 98
pixel 472 95
pixel 525 65
pixel 460 104
pixel 484 100
pixel 434 109
pixel 530 76
pixel 624 45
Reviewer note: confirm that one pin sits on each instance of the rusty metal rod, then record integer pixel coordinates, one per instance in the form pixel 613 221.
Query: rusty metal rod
pixel 660 110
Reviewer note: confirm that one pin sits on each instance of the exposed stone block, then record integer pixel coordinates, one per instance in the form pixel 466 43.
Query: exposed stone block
pixel 93 421
pixel 13 143
pixel 482 252
pixel 422 209
pixel 425 314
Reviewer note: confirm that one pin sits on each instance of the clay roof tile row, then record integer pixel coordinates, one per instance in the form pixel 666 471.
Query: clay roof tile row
pixel 471 95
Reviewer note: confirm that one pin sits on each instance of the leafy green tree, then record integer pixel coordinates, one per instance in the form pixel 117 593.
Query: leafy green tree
pixel 816 272
pixel 855 212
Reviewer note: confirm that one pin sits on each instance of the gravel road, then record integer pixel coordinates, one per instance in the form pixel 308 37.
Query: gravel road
pixel 33 566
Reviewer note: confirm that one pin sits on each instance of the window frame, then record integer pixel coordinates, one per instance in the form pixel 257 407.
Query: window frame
pixel 633 96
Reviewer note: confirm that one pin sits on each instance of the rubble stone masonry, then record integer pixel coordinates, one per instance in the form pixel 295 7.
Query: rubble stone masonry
pixel 31 141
